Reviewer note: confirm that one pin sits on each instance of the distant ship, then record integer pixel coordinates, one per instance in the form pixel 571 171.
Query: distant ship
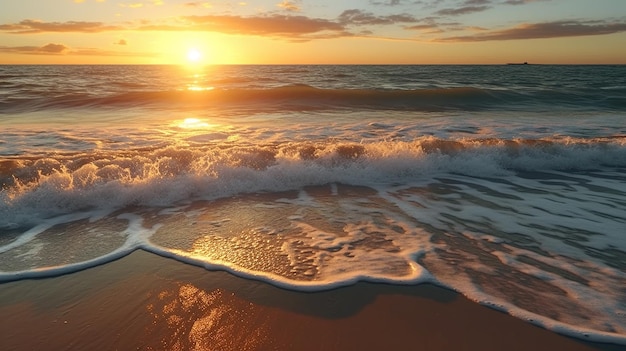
pixel 517 63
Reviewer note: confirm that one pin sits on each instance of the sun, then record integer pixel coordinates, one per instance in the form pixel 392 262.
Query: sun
pixel 194 56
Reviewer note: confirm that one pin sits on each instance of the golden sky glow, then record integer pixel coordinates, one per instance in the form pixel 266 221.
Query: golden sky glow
pixel 300 32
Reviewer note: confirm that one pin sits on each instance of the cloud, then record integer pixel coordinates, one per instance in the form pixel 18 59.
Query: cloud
pixel 53 49
pixel 425 26
pixel 48 49
pixel 545 30
pixel 198 4
pixel 476 2
pixel 296 27
pixel 291 6
pixel 272 25
pixel 520 2
pixel 387 3
pixel 359 17
pixel 461 10
pixel 34 26
pixel 430 4
pixel 349 23
pixel 100 52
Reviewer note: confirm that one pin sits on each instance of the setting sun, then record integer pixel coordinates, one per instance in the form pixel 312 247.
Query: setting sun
pixel 194 56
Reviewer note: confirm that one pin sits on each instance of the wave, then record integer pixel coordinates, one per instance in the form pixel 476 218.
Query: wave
pixel 305 97
pixel 44 186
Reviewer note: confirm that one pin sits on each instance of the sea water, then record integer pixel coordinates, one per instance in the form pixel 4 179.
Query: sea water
pixel 504 183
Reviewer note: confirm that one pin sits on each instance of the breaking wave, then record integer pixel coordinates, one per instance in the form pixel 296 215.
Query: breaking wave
pixel 40 187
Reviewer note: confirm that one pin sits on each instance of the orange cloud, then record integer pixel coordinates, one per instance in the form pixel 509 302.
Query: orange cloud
pixel 292 27
pixel 61 49
pixel 48 49
pixel 198 4
pixel 34 26
pixel 298 27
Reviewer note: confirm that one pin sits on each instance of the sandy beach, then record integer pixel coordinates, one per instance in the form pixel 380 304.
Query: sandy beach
pixel 146 302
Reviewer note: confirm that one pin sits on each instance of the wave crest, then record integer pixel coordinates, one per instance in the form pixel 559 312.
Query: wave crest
pixel 164 176
pixel 290 97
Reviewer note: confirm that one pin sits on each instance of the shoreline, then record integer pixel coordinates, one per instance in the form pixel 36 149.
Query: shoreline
pixel 147 302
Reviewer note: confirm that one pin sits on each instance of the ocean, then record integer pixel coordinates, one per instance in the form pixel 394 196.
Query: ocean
pixel 504 183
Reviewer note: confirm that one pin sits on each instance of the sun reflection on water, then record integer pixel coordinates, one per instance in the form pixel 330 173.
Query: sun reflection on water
pixel 194 87
pixel 197 83
pixel 193 123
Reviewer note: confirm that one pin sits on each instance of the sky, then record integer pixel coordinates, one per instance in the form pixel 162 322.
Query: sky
pixel 312 32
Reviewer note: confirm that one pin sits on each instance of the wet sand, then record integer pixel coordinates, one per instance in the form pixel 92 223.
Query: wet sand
pixel 147 302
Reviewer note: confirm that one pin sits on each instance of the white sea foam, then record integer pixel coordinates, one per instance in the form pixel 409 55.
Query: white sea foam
pixel 162 176
pixel 559 245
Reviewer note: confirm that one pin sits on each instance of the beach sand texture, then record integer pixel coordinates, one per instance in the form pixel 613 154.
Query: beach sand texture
pixel 147 302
